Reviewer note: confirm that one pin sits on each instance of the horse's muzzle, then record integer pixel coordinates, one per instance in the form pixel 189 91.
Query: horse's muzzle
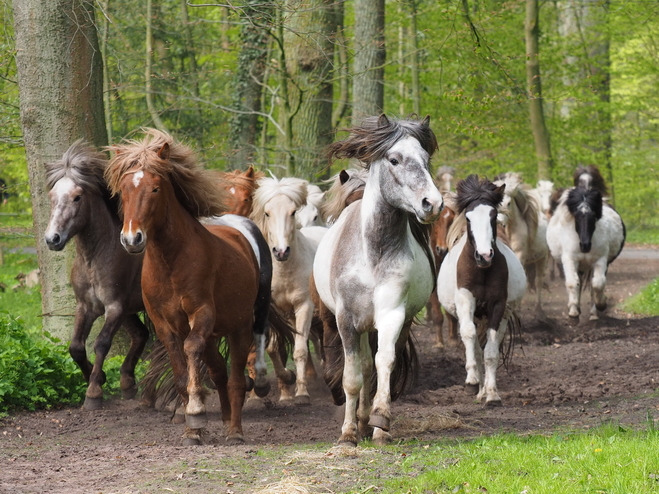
pixel 281 255
pixel 482 261
pixel 134 243
pixel 55 241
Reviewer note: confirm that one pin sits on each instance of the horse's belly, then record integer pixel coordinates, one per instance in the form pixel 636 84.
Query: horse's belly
pixel 322 264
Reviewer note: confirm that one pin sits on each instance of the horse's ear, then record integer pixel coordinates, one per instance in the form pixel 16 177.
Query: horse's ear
pixel 500 189
pixel 250 172
pixel 383 121
pixel 343 176
pixel 426 122
pixel 163 152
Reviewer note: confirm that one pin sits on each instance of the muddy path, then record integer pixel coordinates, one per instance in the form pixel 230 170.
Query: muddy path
pixel 561 377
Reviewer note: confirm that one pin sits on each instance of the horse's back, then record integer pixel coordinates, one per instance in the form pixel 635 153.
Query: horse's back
pixel 613 229
pixel 516 276
pixel 314 234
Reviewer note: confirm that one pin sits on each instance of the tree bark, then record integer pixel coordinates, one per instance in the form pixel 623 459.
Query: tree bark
pixel 414 59
pixel 368 68
pixel 107 96
pixel 309 56
pixel 248 83
pixel 148 70
pixel 536 110
pixel 61 98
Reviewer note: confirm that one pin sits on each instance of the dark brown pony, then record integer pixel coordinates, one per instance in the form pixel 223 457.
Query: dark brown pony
pixel 241 186
pixel 589 177
pixel 105 278
pixel 200 284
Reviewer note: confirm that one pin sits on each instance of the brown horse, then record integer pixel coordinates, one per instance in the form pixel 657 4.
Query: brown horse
pixel 199 283
pixel 241 186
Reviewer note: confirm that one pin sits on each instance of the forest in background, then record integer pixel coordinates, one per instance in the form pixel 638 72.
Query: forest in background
pixel 462 62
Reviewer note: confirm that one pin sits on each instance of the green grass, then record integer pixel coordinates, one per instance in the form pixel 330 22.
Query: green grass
pixel 645 302
pixel 611 459
pixel 18 300
pixel 649 236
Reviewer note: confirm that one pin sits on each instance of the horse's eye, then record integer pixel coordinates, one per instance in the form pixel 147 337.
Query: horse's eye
pixel 156 190
pixel 267 215
pixel 393 161
pixel 246 200
pixel 77 198
pixel 293 213
pixel 315 217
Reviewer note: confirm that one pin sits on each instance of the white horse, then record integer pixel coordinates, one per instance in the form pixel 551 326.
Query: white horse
pixel 542 194
pixel 276 203
pixel 526 228
pixel 480 278
pixel 309 214
pixel 586 235
pixel 374 269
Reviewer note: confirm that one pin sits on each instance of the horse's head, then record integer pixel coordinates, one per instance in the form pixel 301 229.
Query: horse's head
pixel 586 208
pixel 545 189
pixel 241 200
pixel 241 186
pixel 275 206
pixel 479 201
pixel 309 213
pixel 76 186
pixel 439 234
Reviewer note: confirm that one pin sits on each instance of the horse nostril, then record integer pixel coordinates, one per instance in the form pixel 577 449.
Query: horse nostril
pixel 56 239
pixel 138 238
pixel 287 251
pixel 426 204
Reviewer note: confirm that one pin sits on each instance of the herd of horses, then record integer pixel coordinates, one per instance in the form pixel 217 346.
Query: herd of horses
pixel 232 266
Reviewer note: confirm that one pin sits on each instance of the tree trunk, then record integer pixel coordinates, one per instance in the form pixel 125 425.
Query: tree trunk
pixel 107 96
pixel 61 97
pixel 368 68
pixel 309 55
pixel 193 69
pixel 248 83
pixel 148 70
pixel 538 126
pixel 414 60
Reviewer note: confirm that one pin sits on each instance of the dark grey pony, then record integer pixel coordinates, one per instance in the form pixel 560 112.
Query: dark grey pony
pixel 371 271
pixel 105 278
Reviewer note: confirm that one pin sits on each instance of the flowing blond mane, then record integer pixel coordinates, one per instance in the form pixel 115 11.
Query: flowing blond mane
pixel 199 191
pixel 293 188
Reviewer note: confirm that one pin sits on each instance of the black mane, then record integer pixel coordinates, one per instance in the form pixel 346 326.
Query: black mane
pixel 472 189
pixel 591 197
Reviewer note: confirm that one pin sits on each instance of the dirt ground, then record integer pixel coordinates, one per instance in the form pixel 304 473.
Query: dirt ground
pixel 561 377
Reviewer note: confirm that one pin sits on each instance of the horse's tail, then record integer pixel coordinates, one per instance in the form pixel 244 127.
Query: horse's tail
pixel 514 336
pixel 157 386
pixel 406 365
pixel 281 334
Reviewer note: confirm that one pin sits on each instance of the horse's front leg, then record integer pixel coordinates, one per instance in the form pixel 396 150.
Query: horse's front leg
pixel 239 345
pixel 465 304
pixel 303 316
pixel 364 411
pixel 139 335
pixel 496 331
pixel 597 286
pixel 114 316
pixel 353 379
pixel 573 287
pixel 194 347
pixel 389 325
pixel 82 325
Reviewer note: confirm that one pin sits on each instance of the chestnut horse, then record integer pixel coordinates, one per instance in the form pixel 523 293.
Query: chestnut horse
pixel 199 283
pixel 105 278
pixel 241 187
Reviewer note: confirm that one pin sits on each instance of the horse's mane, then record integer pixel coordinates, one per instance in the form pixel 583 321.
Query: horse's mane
pixel 344 184
pixel 199 191
pixel 371 140
pixel 472 189
pixel 315 195
pixel 85 165
pixel 592 197
pixel 520 193
pixel 597 180
pixel 293 188
pixel 244 179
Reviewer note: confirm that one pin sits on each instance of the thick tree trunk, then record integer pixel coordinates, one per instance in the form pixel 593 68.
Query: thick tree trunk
pixel 536 110
pixel 248 83
pixel 60 85
pixel 148 70
pixel 414 59
pixel 368 68
pixel 309 55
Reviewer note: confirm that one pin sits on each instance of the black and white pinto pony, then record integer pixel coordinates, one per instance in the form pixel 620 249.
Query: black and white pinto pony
pixel 586 234
pixel 481 278
pixel 373 269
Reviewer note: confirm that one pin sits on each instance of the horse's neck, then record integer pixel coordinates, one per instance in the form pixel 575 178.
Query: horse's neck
pixel 383 226
pixel 100 234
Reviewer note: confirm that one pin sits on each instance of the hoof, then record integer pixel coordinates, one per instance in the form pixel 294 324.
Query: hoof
pixel 572 320
pixel 249 383
pixel 196 421
pixel 93 403
pixel 382 439
pixel 235 439
pixel 601 307
pixel 262 391
pixel 178 418
pixel 289 377
pixel 471 389
pixel 379 421
pixel 129 393
pixel 191 441
pixel 352 442
pixel 493 403
pixel 303 401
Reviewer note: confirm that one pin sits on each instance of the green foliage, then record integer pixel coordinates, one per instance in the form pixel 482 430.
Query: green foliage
pixel 538 464
pixel 18 300
pixel 36 370
pixel 646 302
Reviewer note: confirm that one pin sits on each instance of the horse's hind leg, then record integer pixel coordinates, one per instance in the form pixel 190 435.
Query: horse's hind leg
pixel 139 335
pixel 217 368
pixel 573 287
pixel 435 318
pixel 491 359
pixel 285 377
pixel 239 344
pixel 303 316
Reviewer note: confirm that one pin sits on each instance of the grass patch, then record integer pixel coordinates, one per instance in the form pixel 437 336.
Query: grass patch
pixel 18 300
pixel 645 236
pixel 606 460
pixel 645 302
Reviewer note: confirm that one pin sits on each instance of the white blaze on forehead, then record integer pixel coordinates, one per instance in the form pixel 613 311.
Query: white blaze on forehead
pixel 233 190
pixel 63 187
pixel 481 227
pixel 137 178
